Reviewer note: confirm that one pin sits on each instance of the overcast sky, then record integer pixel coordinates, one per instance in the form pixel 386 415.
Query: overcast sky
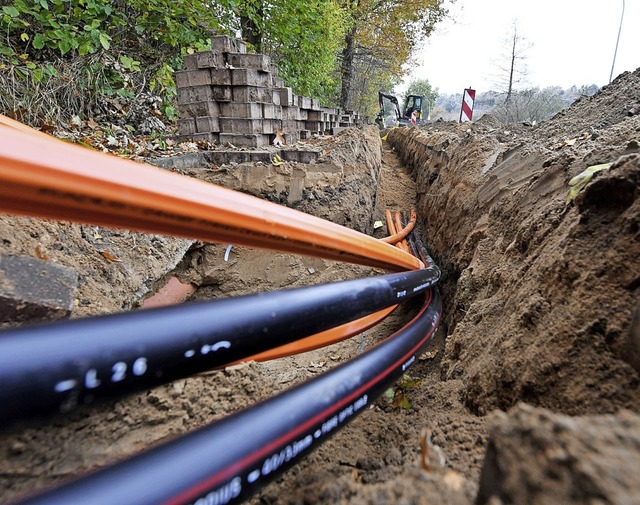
pixel 572 42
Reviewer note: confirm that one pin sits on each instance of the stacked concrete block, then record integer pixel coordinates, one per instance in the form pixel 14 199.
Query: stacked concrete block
pixel 227 95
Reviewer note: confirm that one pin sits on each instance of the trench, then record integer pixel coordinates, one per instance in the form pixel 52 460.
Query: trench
pixel 523 321
pixel 171 409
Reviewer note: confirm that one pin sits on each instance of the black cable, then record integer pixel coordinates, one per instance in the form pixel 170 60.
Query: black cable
pixel 228 460
pixel 56 367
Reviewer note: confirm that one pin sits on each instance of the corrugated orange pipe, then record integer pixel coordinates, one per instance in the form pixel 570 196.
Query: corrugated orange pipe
pixel 45 177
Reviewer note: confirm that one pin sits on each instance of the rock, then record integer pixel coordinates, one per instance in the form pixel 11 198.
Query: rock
pixel 32 289
pixel 536 456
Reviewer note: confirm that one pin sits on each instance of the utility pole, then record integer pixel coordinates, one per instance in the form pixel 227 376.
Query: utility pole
pixel 617 42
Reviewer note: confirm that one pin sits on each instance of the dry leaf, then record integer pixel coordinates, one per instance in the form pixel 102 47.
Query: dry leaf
pixel 40 253
pixel 429 355
pixel 111 257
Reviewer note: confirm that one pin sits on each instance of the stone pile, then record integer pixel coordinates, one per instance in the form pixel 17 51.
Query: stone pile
pixel 229 96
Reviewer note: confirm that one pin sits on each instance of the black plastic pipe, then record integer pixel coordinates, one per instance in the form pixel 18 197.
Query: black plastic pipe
pixel 55 367
pixel 228 460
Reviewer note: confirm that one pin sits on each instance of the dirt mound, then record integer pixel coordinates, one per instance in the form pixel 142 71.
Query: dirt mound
pixel 535 456
pixel 544 289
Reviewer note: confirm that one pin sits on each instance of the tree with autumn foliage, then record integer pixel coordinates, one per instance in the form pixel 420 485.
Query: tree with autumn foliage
pixel 380 38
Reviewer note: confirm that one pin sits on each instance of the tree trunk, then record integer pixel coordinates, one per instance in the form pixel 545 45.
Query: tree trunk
pixel 251 32
pixel 513 64
pixel 346 70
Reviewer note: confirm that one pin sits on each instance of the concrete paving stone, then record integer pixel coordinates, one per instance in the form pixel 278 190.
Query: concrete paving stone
pixel 191 94
pixel 292 137
pixel 302 114
pixel 290 113
pixel 183 161
pixel 242 126
pixel 222 93
pixel 275 97
pixel 198 77
pixel 33 289
pixel 250 77
pixel 278 82
pixel 220 76
pixel 207 124
pixel 252 94
pixel 304 102
pixel 186 126
pixel 314 126
pixel 286 96
pixel 208 108
pixel 212 138
pixel 271 111
pixel 224 157
pixel 315 104
pixel 246 110
pixel 308 156
pixel 190 62
pixel 209 59
pixel 290 125
pixel 261 156
pixel 269 126
pixel 225 44
pixel 254 140
pixel 314 115
pixel 290 155
pixel 251 61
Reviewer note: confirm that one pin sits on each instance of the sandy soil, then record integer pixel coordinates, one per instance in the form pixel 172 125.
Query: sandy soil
pixel 540 297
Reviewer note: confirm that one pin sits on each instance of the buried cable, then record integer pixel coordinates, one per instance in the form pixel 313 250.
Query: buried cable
pixel 55 367
pixel 45 177
pixel 228 460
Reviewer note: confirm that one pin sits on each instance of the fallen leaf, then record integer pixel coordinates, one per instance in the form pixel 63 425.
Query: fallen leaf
pixel 111 257
pixel 40 253
pixel 428 355
pixel 580 181
pixel 45 127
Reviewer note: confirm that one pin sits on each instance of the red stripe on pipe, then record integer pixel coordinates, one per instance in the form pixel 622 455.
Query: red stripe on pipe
pixel 206 485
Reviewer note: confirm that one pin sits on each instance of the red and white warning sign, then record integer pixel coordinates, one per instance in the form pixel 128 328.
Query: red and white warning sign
pixel 468 98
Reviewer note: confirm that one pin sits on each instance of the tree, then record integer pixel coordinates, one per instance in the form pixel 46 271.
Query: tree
pixel 302 38
pixel 379 39
pixel 423 88
pixel 514 70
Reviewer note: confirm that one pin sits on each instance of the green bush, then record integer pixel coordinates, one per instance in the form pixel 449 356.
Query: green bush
pixel 116 48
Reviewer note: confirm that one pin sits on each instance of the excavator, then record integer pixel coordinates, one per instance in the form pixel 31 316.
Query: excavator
pixel 411 112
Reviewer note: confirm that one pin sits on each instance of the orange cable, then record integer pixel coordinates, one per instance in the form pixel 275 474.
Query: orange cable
pixel 324 338
pixel 45 177
pixel 391 228
pixel 402 244
pixel 392 239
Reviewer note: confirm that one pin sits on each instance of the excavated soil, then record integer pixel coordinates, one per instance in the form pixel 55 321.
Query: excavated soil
pixel 529 391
